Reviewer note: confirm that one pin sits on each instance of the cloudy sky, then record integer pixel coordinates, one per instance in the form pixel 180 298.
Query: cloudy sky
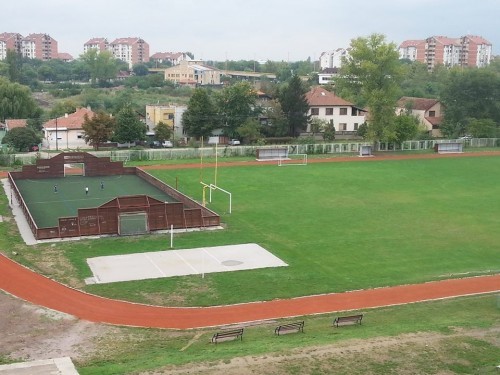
pixel 288 30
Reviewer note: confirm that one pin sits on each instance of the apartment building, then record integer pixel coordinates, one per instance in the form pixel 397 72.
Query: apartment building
pixel 333 59
pixel 39 46
pixel 9 41
pixel 100 44
pixel 476 51
pixel 170 114
pixel 473 51
pixel 131 50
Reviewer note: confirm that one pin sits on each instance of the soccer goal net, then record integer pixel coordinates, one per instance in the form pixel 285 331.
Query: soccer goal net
pixel 293 159
pixel 133 223
pixel 74 169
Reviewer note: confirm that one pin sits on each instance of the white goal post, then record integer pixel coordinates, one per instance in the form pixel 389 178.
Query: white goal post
pixel 215 187
pixel 293 159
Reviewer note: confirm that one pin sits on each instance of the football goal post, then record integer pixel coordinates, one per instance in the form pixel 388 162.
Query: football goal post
pixel 293 159
pixel 132 223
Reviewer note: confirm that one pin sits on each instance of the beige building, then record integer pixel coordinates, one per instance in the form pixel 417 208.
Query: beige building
pixel 168 114
pixel 193 73
pixel 428 111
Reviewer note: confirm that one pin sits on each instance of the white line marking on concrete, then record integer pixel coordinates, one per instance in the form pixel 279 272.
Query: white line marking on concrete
pixel 155 265
pixel 186 262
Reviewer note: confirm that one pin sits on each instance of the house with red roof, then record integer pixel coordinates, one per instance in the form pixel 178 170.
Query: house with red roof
pixel 66 132
pixel 428 111
pixel 344 115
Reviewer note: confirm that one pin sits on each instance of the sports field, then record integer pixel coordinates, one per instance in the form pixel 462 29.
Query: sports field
pixel 339 226
pixel 48 199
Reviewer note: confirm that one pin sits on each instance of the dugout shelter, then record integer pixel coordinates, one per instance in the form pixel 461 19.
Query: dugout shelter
pixel 122 215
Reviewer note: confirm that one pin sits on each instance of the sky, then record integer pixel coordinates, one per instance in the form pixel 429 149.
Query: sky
pixel 278 30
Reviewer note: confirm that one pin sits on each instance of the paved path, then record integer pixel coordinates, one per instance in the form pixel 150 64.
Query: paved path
pixel 30 286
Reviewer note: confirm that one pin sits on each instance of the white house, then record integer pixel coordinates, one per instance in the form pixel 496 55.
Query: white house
pixel 66 132
pixel 344 115
pixel 428 111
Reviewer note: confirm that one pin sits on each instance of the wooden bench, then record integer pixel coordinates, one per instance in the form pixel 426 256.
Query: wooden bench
pixel 345 320
pixel 290 327
pixel 228 335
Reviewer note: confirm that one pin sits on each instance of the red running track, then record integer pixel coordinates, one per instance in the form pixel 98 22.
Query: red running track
pixel 30 286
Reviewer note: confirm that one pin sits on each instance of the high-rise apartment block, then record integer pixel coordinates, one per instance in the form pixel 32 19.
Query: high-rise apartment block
pixel 467 51
pixel 34 46
pixel 131 50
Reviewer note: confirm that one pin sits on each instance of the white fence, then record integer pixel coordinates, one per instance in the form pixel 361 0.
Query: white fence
pixel 250 151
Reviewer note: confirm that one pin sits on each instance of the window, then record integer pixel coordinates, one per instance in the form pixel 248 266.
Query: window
pixel 432 113
pixel 355 126
pixel 342 126
pixel 314 111
pixel 329 112
pixel 354 112
pixel 343 111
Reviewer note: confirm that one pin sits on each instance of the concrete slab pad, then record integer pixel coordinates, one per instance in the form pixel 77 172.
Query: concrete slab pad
pixel 140 266
pixel 62 366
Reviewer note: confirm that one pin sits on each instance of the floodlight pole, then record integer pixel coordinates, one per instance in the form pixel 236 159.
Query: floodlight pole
pixel 171 236
pixel 57 147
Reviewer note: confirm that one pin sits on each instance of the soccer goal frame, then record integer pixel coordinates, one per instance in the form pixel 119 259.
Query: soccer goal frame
pixel 293 159
pixel 74 169
pixel 132 223
pixel 211 187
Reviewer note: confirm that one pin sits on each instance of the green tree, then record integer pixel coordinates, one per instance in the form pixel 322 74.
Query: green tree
pixel 329 132
pixel 199 119
pixel 250 131
pixel 163 132
pixel 98 129
pixel 294 105
pixel 101 65
pixel 61 108
pixel 21 139
pixel 13 60
pixel 16 101
pixel 371 76
pixel 318 125
pixel 276 121
pixel 469 93
pixel 128 126
pixel 406 128
pixel 235 105
pixel 483 128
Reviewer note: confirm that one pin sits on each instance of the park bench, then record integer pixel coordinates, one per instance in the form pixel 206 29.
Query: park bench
pixel 345 320
pixel 228 335
pixel 290 327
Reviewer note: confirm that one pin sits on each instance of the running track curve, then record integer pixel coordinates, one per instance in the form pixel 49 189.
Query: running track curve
pixel 37 289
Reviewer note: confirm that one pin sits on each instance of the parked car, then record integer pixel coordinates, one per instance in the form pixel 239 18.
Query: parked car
pixel 167 144
pixel 234 142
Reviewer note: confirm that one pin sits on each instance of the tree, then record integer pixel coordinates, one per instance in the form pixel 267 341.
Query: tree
pixel 21 139
pixel 483 128
pixel 98 129
pixel 101 65
pixel 199 119
pixel 294 104
pixel 469 93
pixel 235 105
pixel 406 128
pixel 140 69
pixel 276 121
pixel 371 76
pixel 250 131
pixel 16 101
pixel 128 126
pixel 329 132
pixel 162 132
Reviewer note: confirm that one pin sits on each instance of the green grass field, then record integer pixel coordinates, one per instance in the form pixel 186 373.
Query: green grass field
pixel 339 226
pixel 47 205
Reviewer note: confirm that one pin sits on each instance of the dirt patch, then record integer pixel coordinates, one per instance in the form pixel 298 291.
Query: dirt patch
pixel 30 332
